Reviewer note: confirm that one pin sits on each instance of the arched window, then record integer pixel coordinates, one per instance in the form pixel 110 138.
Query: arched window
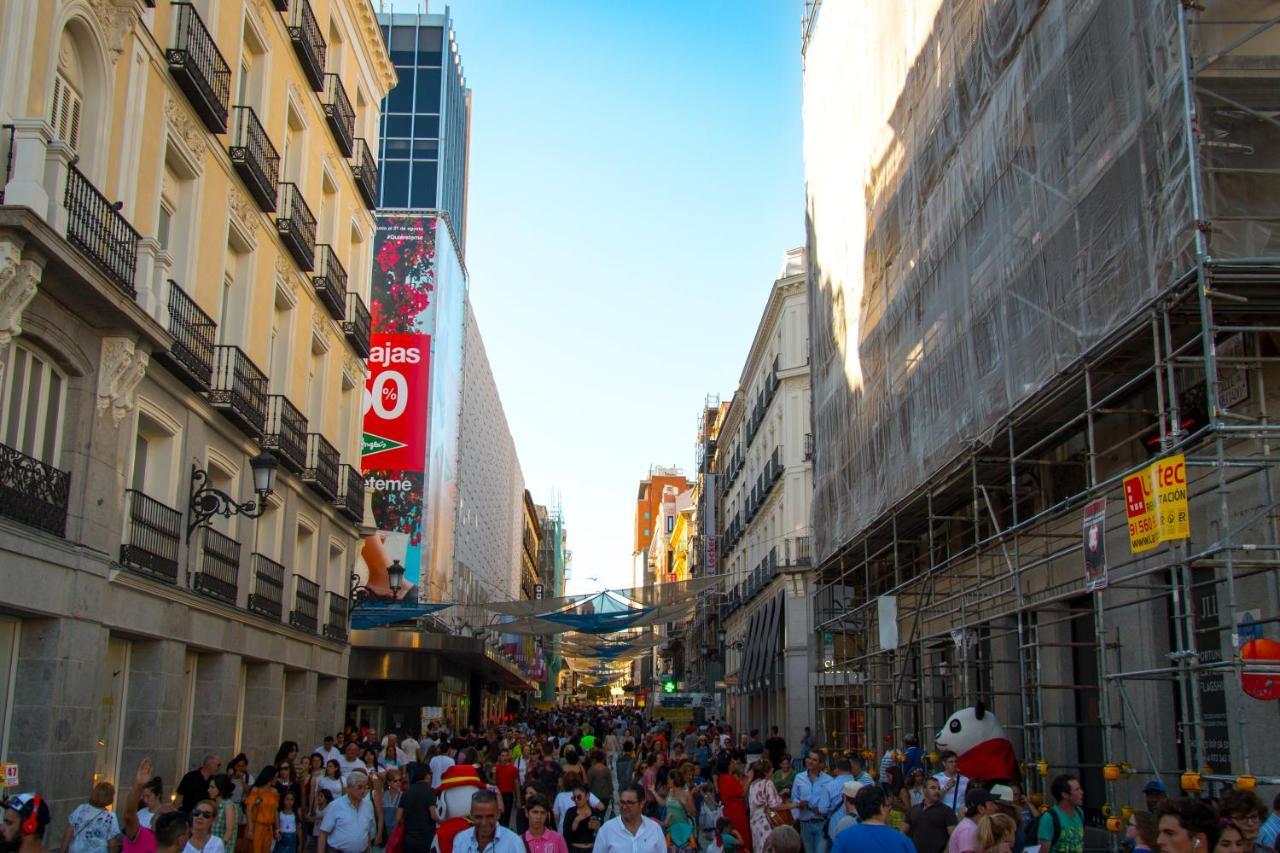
pixel 35 396
pixel 68 93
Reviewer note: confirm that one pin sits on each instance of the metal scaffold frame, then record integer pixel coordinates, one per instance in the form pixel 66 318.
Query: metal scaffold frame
pixel 984 561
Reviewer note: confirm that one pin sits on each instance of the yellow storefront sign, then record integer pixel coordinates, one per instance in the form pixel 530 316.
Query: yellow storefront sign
pixel 674 715
pixel 1155 502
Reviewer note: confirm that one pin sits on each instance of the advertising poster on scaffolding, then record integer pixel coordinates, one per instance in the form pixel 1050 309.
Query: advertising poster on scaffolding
pixel 1095 545
pixel 1155 503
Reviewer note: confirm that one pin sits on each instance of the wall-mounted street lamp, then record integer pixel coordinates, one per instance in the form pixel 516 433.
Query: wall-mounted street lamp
pixel 395 580
pixel 207 501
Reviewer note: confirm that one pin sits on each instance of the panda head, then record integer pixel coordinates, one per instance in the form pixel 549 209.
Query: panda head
pixel 967 728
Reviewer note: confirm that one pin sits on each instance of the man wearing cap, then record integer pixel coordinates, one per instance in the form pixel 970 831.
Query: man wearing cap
pixel 25 818
pixel 1007 805
pixel 978 803
pixel 485 835
pixel 348 824
pixel 847 815
pixel 1156 794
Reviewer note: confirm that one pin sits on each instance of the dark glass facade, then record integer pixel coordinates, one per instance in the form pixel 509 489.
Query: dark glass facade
pixel 422 148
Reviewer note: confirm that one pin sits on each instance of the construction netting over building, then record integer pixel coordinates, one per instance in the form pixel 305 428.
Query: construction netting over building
pixel 1044 239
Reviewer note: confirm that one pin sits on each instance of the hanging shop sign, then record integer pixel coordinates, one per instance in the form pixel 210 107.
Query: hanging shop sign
pixel 1095 545
pixel 1155 502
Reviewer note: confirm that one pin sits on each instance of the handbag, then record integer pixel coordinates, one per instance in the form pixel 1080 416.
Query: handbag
pixel 395 844
pixel 778 817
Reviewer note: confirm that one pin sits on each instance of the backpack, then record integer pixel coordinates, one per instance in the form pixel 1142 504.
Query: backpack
pixel 1033 828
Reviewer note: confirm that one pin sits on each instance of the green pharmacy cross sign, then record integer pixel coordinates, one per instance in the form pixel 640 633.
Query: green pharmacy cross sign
pixel 371 444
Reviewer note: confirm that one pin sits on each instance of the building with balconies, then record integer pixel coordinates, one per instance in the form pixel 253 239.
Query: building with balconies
pixel 185 243
pixel 763 482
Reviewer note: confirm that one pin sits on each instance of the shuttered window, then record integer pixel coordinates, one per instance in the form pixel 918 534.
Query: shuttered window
pixel 67 107
pixel 34 399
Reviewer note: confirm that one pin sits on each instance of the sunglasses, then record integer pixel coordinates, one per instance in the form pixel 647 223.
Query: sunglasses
pixel 201 813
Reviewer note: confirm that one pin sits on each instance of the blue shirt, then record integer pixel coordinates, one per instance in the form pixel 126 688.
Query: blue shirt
pixel 837 816
pixel 1270 829
pixel 814 792
pixel 872 838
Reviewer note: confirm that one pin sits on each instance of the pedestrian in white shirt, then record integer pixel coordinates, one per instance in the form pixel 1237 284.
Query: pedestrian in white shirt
pixel 630 831
pixel 351 762
pixel 485 835
pixel 439 763
pixel 954 784
pixel 348 824
pixel 328 751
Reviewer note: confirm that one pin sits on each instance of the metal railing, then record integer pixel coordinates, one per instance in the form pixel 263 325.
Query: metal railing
pixel 286 433
pixel 330 281
pixel 239 389
pixel 8 131
pixel 151 538
pixel 321 471
pixel 198 66
pixel 308 43
pixel 335 628
pixel 350 497
pixel 365 170
pixel 32 492
pixel 339 113
pixel 267 597
pixel 96 228
pixel 296 225
pixel 194 335
pixel 356 325
pixel 255 158
pixel 219 567
pixel 808 446
pixel 306 605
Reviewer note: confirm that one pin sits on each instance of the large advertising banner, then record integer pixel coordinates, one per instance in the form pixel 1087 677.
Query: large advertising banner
pixel 396 406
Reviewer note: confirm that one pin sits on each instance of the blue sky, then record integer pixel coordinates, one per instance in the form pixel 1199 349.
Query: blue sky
pixel 636 178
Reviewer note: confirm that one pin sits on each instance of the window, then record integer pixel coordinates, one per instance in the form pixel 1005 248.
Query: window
pixel 281 337
pixel 315 387
pixel 68 104
pixel 113 676
pixel 35 397
pixel 671 524
pixel 154 455
pixel 304 550
pixel 164 223
pixel 224 310
pixel 9 631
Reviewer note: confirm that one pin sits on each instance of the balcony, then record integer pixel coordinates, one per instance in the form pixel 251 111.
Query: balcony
pixel 96 228
pixel 255 159
pixel 306 605
pixel 201 72
pixel 308 43
pixel 239 389
pixel 808 446
pixel 219 567
pixel 296 226
pixel 330 282
pixel 267 598
pixel 321 471
pixel 336 626
pixel 365 171
pixel 33 493
pixel 286 433
pixel 151 538
pixel 194 332
pixel 339 113
pixel 350 497
pixel 356 325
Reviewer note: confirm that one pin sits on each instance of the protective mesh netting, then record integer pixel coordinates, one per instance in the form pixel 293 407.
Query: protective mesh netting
pixel 992 188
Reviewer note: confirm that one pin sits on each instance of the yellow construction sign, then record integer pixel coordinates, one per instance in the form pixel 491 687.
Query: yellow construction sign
pixel 1155 501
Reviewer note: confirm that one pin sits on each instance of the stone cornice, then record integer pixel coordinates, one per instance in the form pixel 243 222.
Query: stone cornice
pixel 375 48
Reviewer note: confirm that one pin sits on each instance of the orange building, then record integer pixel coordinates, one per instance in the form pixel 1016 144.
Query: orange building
pixel 649 501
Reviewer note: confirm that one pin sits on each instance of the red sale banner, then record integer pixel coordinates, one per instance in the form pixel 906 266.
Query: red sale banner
pixel 395 403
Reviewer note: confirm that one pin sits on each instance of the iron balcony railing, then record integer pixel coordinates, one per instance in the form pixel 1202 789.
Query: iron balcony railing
pixel 350 498
pixel 239 389
pixel 297 226
pixel 96 228
pixel 190 358
pixel 339 113
pixel 32 492
pixel 321 472
pixel 198 66
pixel 808 446
pixel 336 626
pixel 219 567
pixel 267 597
pixel 356 326
pixel 330 281
pixel 308 43
pixel 285 434
pixel 6 134
pixel 306 605
pixel 255 158
pixel 151 537
pixel 365 170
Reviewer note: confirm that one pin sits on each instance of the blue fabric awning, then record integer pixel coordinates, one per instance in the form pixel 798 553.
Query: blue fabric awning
pixel 376 614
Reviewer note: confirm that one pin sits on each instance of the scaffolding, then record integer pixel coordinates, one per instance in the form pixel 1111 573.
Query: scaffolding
pixel 981 557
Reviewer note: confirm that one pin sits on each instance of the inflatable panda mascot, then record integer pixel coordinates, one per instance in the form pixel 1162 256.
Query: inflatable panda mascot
pixel 975 736
pixel 457 784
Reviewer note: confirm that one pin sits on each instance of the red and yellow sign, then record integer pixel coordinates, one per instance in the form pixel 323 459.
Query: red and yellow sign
pixel 1155 501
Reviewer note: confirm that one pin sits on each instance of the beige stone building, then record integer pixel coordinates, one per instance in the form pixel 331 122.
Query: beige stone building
pixel 185 235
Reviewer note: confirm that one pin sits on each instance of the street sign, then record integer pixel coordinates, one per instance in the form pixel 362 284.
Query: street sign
pixel 537 592
pixel 10 774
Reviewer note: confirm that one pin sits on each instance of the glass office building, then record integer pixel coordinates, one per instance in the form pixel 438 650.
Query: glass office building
pixel 422 149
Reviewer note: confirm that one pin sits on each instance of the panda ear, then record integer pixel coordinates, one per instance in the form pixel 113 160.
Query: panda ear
pixel 979 710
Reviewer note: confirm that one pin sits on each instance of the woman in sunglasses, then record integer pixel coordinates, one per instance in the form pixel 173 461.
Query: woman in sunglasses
pixel 582 822
pixel 202 839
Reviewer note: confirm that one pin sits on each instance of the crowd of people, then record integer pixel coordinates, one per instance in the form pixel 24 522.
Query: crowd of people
pixel 593 780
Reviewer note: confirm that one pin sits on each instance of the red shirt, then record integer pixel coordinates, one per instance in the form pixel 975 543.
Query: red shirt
pixel 507 776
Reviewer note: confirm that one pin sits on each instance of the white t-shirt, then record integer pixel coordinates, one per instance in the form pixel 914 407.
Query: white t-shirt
pixel 954 798
pixel 213 845
pixel 330 754
pixel 145 817
pixel 438 765
pixel 345 767
pixel 410 748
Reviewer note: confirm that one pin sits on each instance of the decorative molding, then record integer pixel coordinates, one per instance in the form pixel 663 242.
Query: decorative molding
pixel 376 47
pixel 19 280
pixel 244 217
pixel 120 369
pixel 298 103
pixel 117 19
pixel 187 131
pixel 320 332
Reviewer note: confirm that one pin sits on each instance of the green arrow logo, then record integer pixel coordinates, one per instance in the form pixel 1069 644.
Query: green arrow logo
pixel 371 444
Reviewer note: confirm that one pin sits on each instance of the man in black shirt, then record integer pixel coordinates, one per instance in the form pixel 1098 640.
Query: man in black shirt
pixel 416 811
pixel 930 823
pixel 776 746
pixel 194 787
